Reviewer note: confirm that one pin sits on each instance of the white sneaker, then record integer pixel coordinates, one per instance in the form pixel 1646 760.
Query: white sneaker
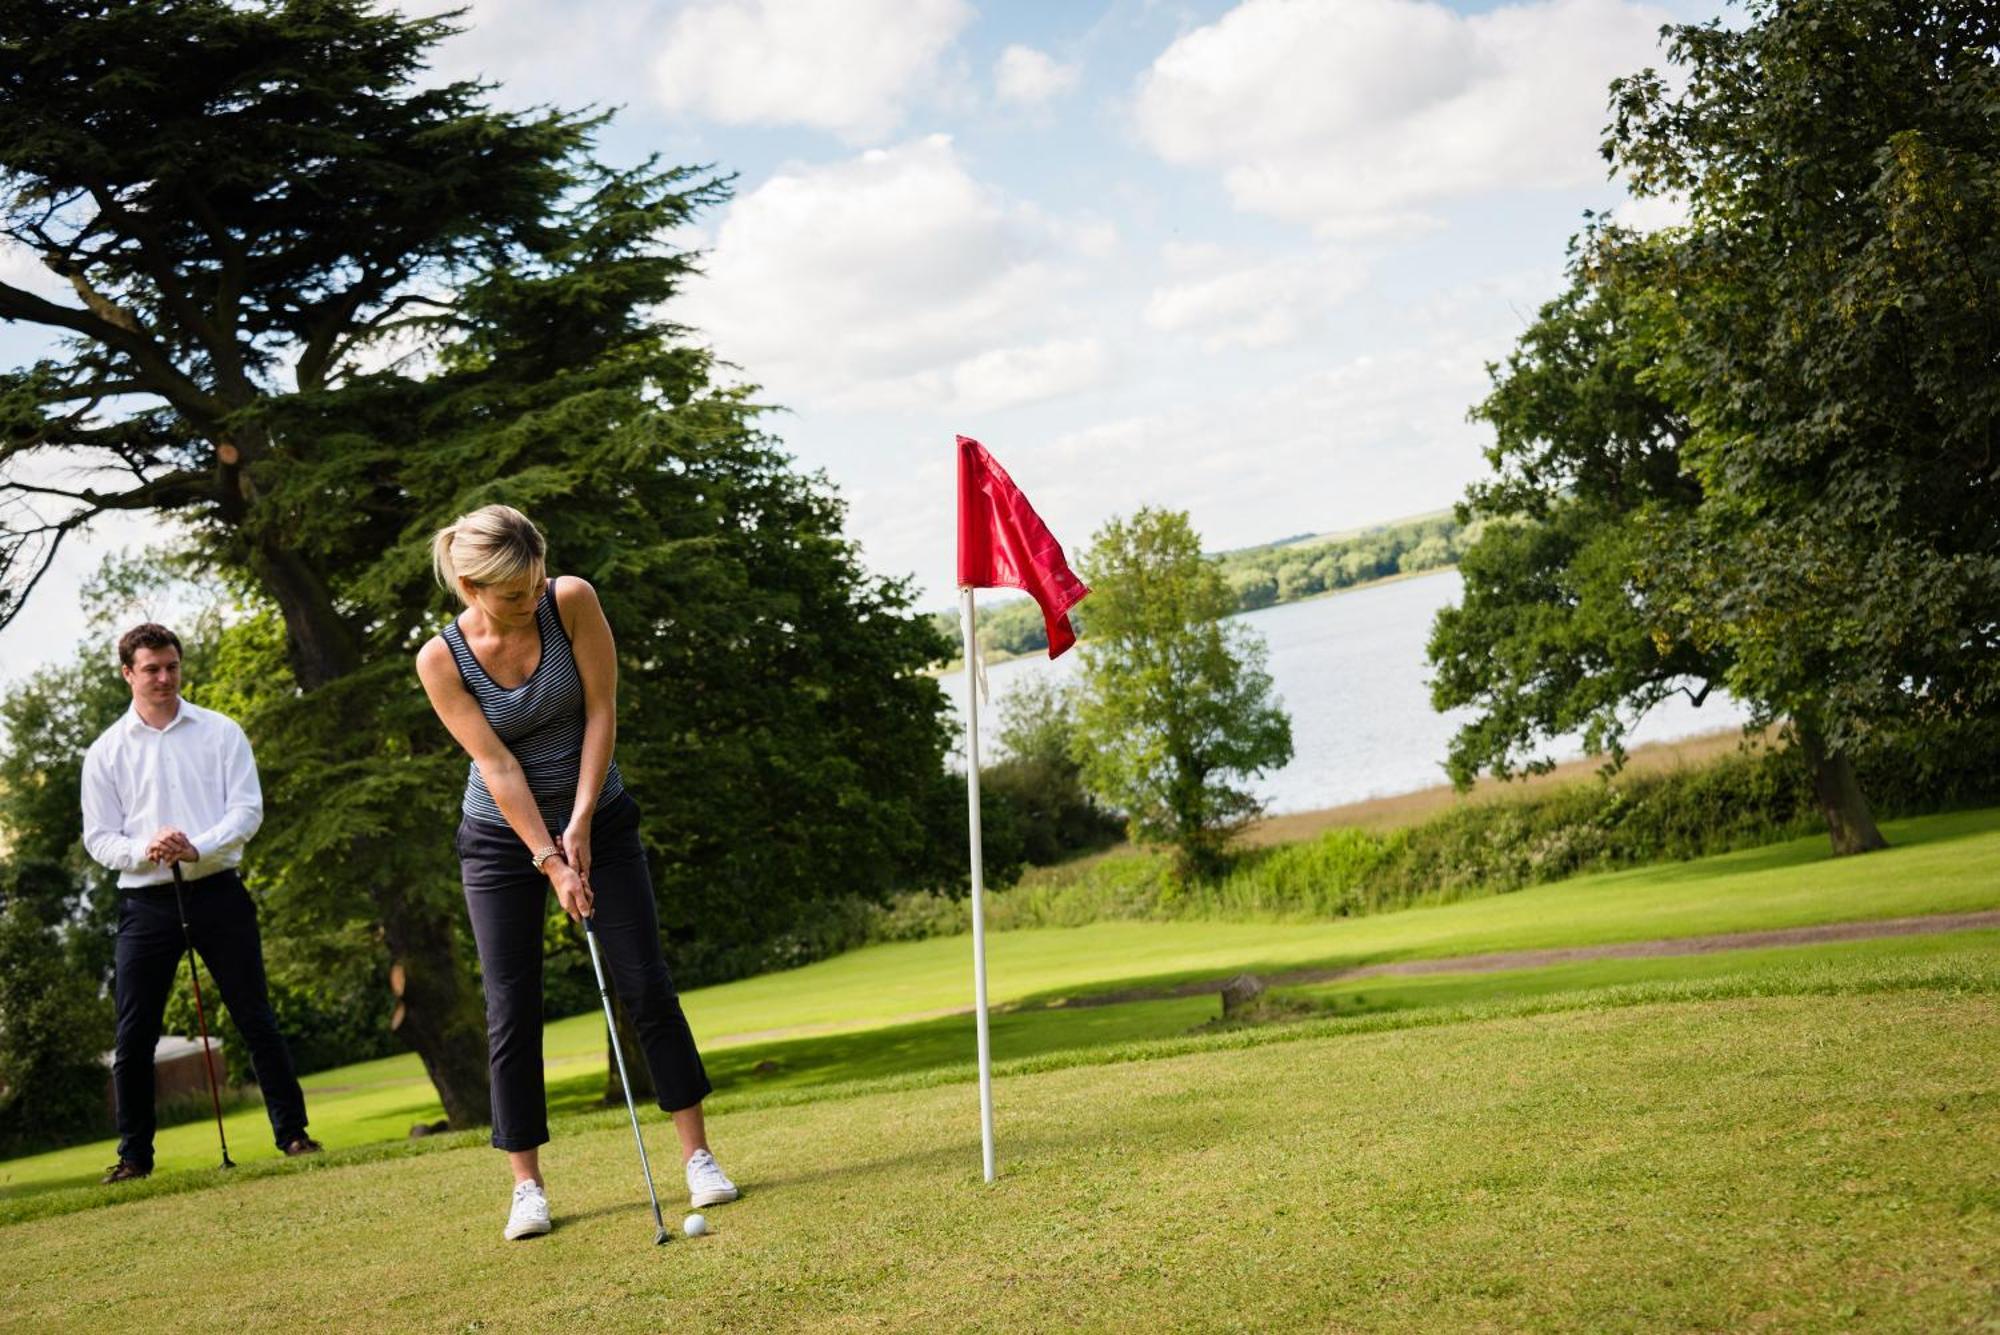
pixel 707 1183
pixel 530 1215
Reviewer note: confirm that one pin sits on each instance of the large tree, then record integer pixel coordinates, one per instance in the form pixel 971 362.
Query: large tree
pixel 1176 711
pixel 320 309
pixel 1552 635
pixel 1812 355
pixel 1837 347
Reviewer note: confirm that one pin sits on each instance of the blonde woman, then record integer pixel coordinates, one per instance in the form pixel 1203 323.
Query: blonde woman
pixel 526 680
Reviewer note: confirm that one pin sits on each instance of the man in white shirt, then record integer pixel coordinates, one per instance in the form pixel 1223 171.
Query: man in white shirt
pixel 173 782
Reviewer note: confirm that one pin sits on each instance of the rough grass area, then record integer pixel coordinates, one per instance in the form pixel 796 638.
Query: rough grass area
pixel 1571 836
pixel 1941 864
pixel 1806 1163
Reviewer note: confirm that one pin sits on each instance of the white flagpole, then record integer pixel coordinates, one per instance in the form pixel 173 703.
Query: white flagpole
pixel 978 880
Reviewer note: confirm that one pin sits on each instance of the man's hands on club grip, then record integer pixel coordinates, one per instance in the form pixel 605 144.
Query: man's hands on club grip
pixel 170 845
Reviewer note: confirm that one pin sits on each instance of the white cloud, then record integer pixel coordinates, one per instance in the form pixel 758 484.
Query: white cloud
pixel 21 267
pixel 847 68
pixel 1233 302
pixel 1029 77
pixel 892 280
pixel 1006 377
pixel 1369 438
pixel 1373 438
pixel 1652 213
pixel 586 51
pixel 1356 115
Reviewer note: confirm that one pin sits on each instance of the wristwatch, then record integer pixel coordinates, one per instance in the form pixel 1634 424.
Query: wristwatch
pixel 542 857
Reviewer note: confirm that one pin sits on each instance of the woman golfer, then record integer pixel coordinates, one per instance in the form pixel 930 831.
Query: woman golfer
pixel 527 681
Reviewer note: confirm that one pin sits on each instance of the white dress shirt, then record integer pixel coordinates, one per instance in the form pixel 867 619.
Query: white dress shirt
pixel 196 774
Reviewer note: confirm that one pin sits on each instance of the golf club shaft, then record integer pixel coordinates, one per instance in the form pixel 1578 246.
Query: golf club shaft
pixel 624 1081
pixel 201 1016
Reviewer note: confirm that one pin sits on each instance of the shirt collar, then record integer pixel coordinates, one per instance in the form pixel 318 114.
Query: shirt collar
pixel 184 713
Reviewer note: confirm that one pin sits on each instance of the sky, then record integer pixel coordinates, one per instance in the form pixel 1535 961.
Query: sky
pixel 1245 260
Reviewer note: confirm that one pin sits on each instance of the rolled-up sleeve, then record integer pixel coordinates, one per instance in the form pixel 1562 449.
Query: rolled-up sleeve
pixel 243 794
pixel 104 818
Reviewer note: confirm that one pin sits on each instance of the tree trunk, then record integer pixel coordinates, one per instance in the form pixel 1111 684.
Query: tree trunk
pixel 1848 820
pixel 635 1061
pixel 442 1016
pixel 317 641
pixel 443 1019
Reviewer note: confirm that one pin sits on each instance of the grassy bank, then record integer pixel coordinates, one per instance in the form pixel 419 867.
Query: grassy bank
pixel 1653 814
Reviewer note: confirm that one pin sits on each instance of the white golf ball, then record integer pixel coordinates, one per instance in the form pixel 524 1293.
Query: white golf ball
pixel 694 1226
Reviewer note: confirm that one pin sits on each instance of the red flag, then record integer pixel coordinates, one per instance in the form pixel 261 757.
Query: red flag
pixel 1003 543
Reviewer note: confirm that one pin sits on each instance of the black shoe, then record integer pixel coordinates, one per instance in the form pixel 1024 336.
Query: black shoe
pixel 298 1145
pixel 126 1171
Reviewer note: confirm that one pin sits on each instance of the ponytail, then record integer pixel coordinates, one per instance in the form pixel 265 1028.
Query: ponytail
pixel 441 557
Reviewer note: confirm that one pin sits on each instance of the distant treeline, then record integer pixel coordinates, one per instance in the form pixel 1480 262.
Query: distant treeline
pixel 1281 572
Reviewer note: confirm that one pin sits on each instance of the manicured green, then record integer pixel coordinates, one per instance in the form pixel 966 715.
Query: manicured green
pixel 1800 1162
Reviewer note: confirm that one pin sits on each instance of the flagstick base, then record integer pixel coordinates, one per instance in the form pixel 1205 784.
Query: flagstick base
pixel 978 881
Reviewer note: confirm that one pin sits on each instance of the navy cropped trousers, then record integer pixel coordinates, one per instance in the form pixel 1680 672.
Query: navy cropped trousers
pixel 508 900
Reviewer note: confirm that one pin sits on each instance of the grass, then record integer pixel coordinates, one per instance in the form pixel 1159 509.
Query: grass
pixel 1717 1161
pixel 871 1000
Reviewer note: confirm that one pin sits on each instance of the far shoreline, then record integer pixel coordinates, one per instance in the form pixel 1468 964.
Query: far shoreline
pixel 1396 810
pixel 1001 656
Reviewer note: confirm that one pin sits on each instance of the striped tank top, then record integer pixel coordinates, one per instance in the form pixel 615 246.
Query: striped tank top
pixel 540 721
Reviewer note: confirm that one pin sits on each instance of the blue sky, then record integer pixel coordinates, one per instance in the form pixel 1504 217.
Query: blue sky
pixel 1242 259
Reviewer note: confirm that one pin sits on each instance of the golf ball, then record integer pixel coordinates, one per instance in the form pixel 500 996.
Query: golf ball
pixel 694 1226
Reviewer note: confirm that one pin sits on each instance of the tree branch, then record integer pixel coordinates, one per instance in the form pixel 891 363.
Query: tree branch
pixel 10 545
pixel 221 348
pixel 168 491
pixel 94 390
pixel 168 380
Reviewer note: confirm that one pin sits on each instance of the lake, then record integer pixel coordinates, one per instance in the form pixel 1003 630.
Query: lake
pixel 1350 670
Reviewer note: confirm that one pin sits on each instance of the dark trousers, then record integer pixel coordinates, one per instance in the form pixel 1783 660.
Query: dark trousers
pixel 508 900
pixel 223 923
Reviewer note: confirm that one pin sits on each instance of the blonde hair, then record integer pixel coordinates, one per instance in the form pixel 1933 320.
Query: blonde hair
pixel 492 545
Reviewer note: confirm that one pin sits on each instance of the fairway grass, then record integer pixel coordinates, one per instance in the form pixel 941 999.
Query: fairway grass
pixel 1821 1162
pixel 856 1017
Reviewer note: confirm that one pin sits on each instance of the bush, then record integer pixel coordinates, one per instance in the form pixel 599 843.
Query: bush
pixel 1486 848
pixel 329 991
pixel 53 1034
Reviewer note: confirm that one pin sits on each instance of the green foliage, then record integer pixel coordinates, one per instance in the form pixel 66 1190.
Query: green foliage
pixel 1176 707
pixel 329 990
pixel 267 201
pixel 47 722
pixel 1756 451
pixel 1833 305
pixel 1747 800
pixel 1037 784
pixel 53 1030
pixel 1553 636
pixel 1287 572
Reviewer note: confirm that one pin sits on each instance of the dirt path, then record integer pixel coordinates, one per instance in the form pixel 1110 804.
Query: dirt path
pixel 1535 959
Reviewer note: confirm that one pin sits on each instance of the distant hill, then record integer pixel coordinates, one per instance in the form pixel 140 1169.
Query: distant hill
pixel 1337 535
